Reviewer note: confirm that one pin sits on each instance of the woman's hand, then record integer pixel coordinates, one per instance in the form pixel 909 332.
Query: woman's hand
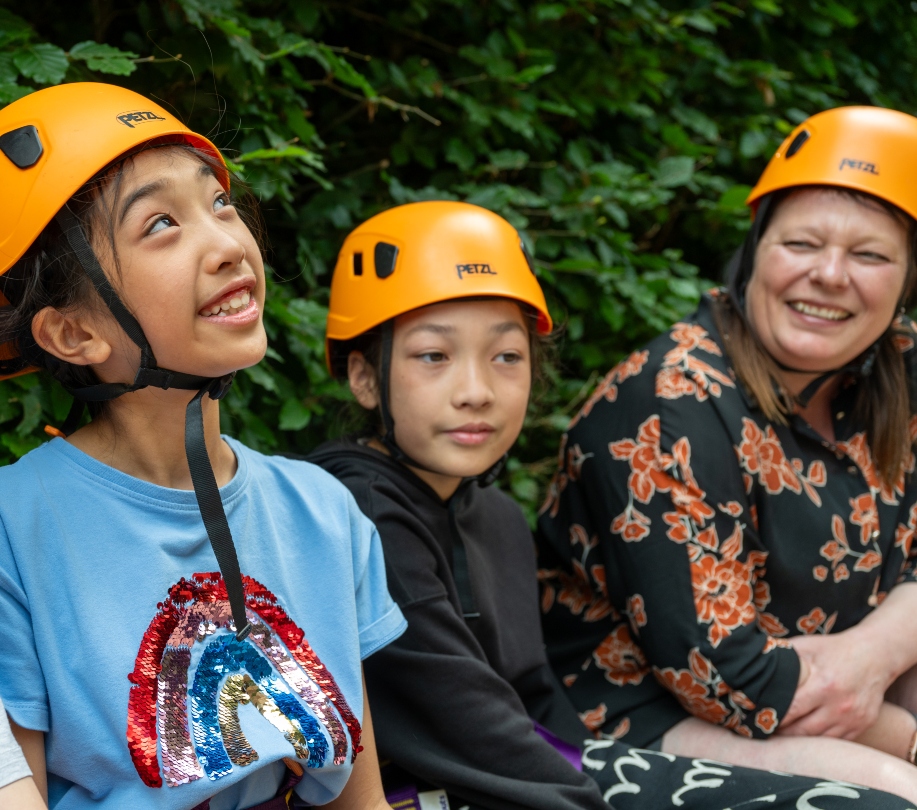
pixel 841 687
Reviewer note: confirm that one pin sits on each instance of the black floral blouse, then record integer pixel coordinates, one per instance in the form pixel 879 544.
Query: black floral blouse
pixel 685 538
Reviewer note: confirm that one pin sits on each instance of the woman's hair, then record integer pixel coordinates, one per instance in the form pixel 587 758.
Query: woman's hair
pixel 883 405
pixel 542 349
pixel 49 274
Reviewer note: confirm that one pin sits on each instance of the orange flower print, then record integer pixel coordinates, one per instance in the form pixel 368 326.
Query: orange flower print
pixel 858 451
pixel 608 388
pixel 647 461
pixel 569 680
pixel 671 383
pixel 621 729
pixel 870 560
pixel 631 524
pixel 691 694
pixel 594 719
pixel 904 534
pixel 636 611
pixel 679 527
pixel 773 643
pixel 766 720
pixel 722 595
pixel 820 572
pixel 575 592
pixel 683 373
pixel 865 514
pixel 841 573
pixel 816 621
pixel 732 508
pixel 762 454
pixel 622 660
pixel 575 459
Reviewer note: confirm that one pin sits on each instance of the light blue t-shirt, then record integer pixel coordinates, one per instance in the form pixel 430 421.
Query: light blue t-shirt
pixel 116 637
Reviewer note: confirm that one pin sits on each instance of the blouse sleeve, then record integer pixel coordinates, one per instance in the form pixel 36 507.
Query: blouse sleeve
pixel 653 504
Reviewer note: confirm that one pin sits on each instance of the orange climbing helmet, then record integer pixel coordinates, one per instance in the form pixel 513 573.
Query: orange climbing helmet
pixel 870 149
pixel 425 253
pixel 54 140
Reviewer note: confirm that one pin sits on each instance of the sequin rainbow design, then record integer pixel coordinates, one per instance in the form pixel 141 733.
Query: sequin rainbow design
pixel 196 725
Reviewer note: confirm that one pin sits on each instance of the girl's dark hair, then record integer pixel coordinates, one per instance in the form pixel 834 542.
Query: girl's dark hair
pixel 884 402
pixel 49 275
pixel 542 350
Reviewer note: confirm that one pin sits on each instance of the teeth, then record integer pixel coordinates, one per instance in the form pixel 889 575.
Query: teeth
pixel 238 302
pixel 820 312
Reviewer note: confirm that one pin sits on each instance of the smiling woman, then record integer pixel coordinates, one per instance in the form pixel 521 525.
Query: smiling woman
pixel 741 490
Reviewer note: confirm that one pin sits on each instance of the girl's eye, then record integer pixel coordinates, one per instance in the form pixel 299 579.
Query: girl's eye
pixel 161 224
pixel 509 358
pixel 221 202
pixel 432 357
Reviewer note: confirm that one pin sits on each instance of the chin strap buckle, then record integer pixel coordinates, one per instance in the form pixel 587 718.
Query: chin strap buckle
pixel 220 386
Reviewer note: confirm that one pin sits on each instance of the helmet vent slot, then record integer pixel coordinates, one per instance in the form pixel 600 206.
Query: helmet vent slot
pixel 797 143
pixel 22 146
pixel 358 264
pixel 384 257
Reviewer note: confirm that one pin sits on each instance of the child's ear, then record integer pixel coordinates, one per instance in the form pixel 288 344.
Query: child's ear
pixel 71 337
pixel 362 378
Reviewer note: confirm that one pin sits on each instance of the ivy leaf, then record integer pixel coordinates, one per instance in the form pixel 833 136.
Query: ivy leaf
pixel 752 143
pixel 294 415
pixel 43 63
pixel 10 92
pixel 675 171
pixel 533 73
pixel 8 71
pixel 104 58
pixel 12 27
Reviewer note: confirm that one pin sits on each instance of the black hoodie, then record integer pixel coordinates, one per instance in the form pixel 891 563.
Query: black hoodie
pixel 453 699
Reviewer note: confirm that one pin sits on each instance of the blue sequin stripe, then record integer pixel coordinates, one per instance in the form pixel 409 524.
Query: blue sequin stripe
pixel 225 655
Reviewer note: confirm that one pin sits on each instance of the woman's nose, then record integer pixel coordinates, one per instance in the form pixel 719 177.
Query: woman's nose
pixel 831 268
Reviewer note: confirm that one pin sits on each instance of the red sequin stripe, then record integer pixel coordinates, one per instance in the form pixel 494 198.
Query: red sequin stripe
pixel 141 704
pixel 264 603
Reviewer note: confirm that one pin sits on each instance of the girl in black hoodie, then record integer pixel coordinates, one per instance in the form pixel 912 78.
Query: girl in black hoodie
pixel 436 320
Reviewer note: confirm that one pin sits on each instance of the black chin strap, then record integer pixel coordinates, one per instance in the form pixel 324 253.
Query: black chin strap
pixel 150 375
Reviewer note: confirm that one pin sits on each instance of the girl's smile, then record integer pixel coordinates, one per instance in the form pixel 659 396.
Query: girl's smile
pixel 237 307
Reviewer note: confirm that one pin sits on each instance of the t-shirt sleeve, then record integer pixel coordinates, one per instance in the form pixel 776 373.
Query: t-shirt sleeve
pixel 13 766
pixel 653 510
pixel 22 683
pixel 379 619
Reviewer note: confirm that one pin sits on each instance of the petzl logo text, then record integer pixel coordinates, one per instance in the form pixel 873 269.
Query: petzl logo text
pixel 474 269
pixel 129 119
pixel 859 165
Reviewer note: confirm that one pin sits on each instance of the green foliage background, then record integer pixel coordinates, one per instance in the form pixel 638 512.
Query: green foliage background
pixel 619 136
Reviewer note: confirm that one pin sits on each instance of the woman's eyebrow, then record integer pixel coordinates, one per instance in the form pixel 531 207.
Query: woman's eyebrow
pixel 138 194
pixel 507 326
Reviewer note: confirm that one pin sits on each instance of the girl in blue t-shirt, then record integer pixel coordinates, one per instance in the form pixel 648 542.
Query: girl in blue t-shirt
pixel 182 620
